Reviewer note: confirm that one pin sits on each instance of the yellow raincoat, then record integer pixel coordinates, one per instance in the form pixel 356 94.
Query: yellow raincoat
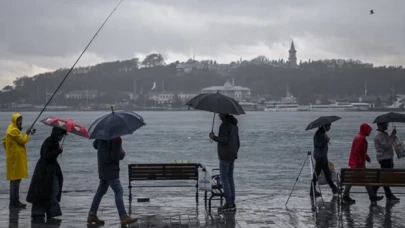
pixel 16 154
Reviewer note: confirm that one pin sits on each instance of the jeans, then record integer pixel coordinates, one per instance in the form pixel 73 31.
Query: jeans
pixel 386 164
pixel 322 164
pixel 226 174
pixel 102 190
pixel 15 191
pixel 53 209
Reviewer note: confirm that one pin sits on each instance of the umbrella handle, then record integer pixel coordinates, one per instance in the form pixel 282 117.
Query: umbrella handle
pixel 63 140
pixel 212 129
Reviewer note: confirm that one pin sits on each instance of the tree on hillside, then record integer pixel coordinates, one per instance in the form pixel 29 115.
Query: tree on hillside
pixel 153 60
pixel 329 77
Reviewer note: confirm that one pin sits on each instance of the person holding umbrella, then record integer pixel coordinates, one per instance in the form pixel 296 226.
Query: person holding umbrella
pixel 107 131
pixel 321 141
pixel 385 153
pixel 227 139
pixel 45 190
pixel 228 147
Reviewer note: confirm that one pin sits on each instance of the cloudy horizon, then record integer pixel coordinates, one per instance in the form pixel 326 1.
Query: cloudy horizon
pixel 46 35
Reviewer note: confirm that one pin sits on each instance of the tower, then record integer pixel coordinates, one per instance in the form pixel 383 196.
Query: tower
pixel 292 56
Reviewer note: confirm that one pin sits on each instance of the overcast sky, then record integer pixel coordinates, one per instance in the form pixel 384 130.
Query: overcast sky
pixel 44 35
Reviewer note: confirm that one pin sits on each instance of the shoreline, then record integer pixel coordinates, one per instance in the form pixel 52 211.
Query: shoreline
pixel 179 109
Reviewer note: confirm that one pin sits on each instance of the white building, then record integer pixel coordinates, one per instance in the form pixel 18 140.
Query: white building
pixel 184 97
pixel 81 94
pixel 229 89
pixel 162 98
pixel 168 98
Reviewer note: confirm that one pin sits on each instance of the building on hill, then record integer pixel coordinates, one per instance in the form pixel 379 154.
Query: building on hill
pixel 292 56
pixel 81 94
pixel 210 65
pixel 239 93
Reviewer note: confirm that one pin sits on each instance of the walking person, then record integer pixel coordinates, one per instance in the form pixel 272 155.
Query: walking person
pixel 228 147
pixel 321 141
pixel 357 160
pixel 14 142
pixel 109 154
pixel 385 153
pixel 45 190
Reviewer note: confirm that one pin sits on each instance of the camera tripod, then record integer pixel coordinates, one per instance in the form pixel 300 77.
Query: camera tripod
pixel 313 197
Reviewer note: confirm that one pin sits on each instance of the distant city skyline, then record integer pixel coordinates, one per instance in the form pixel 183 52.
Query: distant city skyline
pixel 50 35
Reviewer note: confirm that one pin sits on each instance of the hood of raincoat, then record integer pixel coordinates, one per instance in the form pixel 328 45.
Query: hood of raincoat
pixel 365 129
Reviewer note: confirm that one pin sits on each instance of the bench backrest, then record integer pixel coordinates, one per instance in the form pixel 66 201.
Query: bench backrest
pixel 188 171
pixel 373 177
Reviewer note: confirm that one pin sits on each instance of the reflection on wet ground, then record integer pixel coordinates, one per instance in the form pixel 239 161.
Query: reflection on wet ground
pixel 255 210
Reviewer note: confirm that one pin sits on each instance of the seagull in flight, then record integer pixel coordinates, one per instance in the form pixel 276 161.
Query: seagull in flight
pixel 371 11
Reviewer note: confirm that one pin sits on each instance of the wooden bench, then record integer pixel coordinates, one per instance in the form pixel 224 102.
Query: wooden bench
pixel 163 172
pixel 371 177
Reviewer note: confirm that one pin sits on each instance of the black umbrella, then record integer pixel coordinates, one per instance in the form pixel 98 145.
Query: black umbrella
pixel 390 117
pixel 216 103
pixel 115 124
pixel 323 120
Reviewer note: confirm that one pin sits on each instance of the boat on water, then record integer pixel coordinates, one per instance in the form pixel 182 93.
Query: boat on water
pixel 286 104
pixel 250 106
pixel 339 107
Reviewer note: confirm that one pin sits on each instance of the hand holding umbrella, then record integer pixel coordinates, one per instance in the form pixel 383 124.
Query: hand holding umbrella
pixel 216 103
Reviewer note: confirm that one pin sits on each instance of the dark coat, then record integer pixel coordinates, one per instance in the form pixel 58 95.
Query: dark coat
pixel 108 156
pixel 47 166
pixel 321 141
pixel 228 139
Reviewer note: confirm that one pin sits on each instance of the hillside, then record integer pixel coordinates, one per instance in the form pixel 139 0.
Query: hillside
pixel 262 77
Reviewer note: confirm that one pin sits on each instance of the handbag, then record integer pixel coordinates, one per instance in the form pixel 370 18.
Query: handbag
pixel 321 177
pixel 204 181
pixel 399 148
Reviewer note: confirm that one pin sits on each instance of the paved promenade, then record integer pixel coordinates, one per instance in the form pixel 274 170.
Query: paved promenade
pixel 255 210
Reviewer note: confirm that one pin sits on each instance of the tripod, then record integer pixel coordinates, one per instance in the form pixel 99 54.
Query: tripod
pixel 313 198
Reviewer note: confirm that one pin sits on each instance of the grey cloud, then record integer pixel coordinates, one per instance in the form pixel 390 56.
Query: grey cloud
pixel 49 32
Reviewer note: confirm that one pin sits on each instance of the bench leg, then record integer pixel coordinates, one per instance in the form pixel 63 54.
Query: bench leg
pixel 209 202
pixel 130 191
pixel 205 198
pixel 196 194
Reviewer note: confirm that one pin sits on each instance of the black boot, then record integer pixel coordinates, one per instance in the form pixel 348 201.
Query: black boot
pixel 374 199
pixel 17 205
pixel 15 195
pixel 348 199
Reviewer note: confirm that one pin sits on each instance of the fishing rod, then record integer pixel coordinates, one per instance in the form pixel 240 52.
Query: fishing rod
pixel 71 69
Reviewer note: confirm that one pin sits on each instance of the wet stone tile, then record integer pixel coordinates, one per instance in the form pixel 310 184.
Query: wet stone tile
pixel 172 211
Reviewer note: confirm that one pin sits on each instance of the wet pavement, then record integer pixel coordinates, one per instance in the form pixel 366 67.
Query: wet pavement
pixel 167 208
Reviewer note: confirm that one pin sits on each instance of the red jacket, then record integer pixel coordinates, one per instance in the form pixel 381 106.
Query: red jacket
pixel 358 154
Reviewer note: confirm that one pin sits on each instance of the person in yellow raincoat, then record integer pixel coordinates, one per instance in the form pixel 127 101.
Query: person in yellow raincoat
pixel 16 158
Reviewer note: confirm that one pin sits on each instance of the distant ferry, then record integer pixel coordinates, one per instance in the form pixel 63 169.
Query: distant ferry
pixel 250 106
pixel 339 107
pixel 286 104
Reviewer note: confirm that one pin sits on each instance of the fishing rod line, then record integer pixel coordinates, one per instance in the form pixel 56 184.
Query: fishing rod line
pixel 71 69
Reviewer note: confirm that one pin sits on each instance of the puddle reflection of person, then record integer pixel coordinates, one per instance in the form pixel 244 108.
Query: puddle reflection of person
pixel 13 218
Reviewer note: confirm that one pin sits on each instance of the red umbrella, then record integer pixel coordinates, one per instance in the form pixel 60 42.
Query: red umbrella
pixel 66 124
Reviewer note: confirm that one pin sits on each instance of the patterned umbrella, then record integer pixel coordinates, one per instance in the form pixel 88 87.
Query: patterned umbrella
pixel 66 124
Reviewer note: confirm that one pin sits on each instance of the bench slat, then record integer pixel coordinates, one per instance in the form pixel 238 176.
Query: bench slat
pixel 163 171
pixel 373 177
pixel 374 184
